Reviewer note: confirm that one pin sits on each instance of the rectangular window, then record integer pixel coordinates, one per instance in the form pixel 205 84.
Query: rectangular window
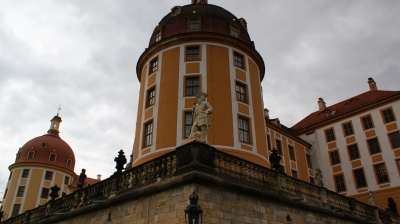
pixel 148 134
pixel 192 86
pixel 21 190
pixel 395 139
pixel 66 180
pixel 388 115
pixel 279 146
pixel 269 143
pixel 194 24
pixel 335 159
pixel 238 60
pixel 5 193
pixel 360 178
pixel 330 135
pixel 25 173
pixel 340 185
pixel 294 174
pixel 158 36
pixel 367 122
pixel 49 175
pixel 15 210
pixel 240 92
pixel 381 173
pixel 9 177
pixel 348 129
pixel 192 53
pixel 52 157
pixel 154 65
pixel 45 193
pixel 291 153
pixel 69 162
pixel 308 158
pixel 188 123
pixel 234 31
pixel 373 145
pixel 353 152
pixel 31 154
pixel 244 135
pixel 151 95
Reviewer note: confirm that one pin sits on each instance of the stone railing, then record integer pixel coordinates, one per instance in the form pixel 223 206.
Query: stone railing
pixel 205 159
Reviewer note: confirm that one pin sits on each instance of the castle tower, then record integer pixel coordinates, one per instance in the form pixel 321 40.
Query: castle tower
pixel 201 48
pixel 40 163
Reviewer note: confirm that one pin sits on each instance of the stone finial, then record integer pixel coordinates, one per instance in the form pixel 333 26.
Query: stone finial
pixel 54 192
pixel 275 159
pixel 266 113
pixel 372 84
pixel 81 179
pixel 321 104
pixel 120 160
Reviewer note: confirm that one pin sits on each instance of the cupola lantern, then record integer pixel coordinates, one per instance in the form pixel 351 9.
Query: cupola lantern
pixel 55 123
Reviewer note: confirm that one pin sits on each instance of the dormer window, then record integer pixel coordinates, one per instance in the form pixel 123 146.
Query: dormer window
pixel 194 24
pixel 234 31
pixel 158 36
pixel 69 161
pixel 31 154
pixel 175 11
pixel 52 157
pixel 43 145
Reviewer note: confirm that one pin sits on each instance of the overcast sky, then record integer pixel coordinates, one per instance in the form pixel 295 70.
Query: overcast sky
pixel 83 54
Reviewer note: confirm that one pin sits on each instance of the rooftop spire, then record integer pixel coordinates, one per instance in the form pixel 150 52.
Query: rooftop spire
pixel 55 123
pixel 59 108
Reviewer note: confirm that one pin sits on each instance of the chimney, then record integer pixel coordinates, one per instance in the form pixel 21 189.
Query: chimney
pixel 372 84
pixel 98 176
pixel 321 104
pixel 266 113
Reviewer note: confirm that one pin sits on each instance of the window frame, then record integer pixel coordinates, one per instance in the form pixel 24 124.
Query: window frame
pixel 278 145
pixel 55 157
pixel 237 63
pixel 189 24
pixel 31 153
pixel 153 67
pixel 391 117
pixel 377 145
pixel 186 126
pixel 360 181
pixel 342 184
pixel 148 141
pixel 334 160
pixel 294 174
pixel 176 8
pixel 43 195
pixel 269 143
pixel 292 154
pixel 66 180
pixel 309 161
pixel 352 153
pixel 367 123
pixel 158 35
pixel 241 96
pixel 16 210
pixel 151 96
pixel 192 87
pixel 348 129
pixel 234 31
pixel 328 137
pixel 378 176
pixel 397 140
pixel 47 175
pixel 69 162
pixel 192 56
pixel 25 173
pixel 20 191
pixel 243 132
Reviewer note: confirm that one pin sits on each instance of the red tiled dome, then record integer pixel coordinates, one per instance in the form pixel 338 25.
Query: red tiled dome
pixel 43 146
pixel 214 19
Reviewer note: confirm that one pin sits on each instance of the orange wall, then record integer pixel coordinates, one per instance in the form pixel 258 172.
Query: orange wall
pixel 167 108
pixel 258 110
pixel 381 197
pixel 218 84
pixel 137 145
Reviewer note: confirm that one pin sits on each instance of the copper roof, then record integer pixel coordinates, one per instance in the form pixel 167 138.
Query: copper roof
pixel 343 107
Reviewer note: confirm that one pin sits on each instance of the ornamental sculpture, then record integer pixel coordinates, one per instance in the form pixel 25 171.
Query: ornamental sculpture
pixel 201 122
pixel 120 161
pixel 370 197
pixel 81 179
pixel 318 177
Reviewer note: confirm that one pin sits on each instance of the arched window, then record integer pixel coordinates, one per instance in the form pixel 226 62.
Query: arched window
pixel 69 161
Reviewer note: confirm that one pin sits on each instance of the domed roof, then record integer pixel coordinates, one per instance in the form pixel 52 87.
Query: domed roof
pixel 214 19
pixel 39 150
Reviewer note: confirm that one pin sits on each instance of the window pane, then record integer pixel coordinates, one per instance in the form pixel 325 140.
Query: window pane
pixel 395 139
pixel 360 178
pixel 188 124
pixel 381 173
pixel 291 153
pixel 244 130
pixel 388 115
pixel 340 185
pixel 192 54
pixel 330 135
pixel 374 146
pixel 348 129
pixel 367 121
pixel 335 157
pixel 353 152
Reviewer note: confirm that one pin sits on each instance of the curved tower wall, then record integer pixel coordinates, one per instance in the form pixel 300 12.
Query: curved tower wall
pixel 218 77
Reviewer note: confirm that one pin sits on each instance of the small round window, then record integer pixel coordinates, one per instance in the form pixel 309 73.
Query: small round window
pixel 43 145
pixel 175 11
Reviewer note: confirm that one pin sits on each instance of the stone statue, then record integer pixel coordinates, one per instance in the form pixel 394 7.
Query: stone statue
pixel 370 197
pixel 81 179
pixel 200 120
pixel 318 177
